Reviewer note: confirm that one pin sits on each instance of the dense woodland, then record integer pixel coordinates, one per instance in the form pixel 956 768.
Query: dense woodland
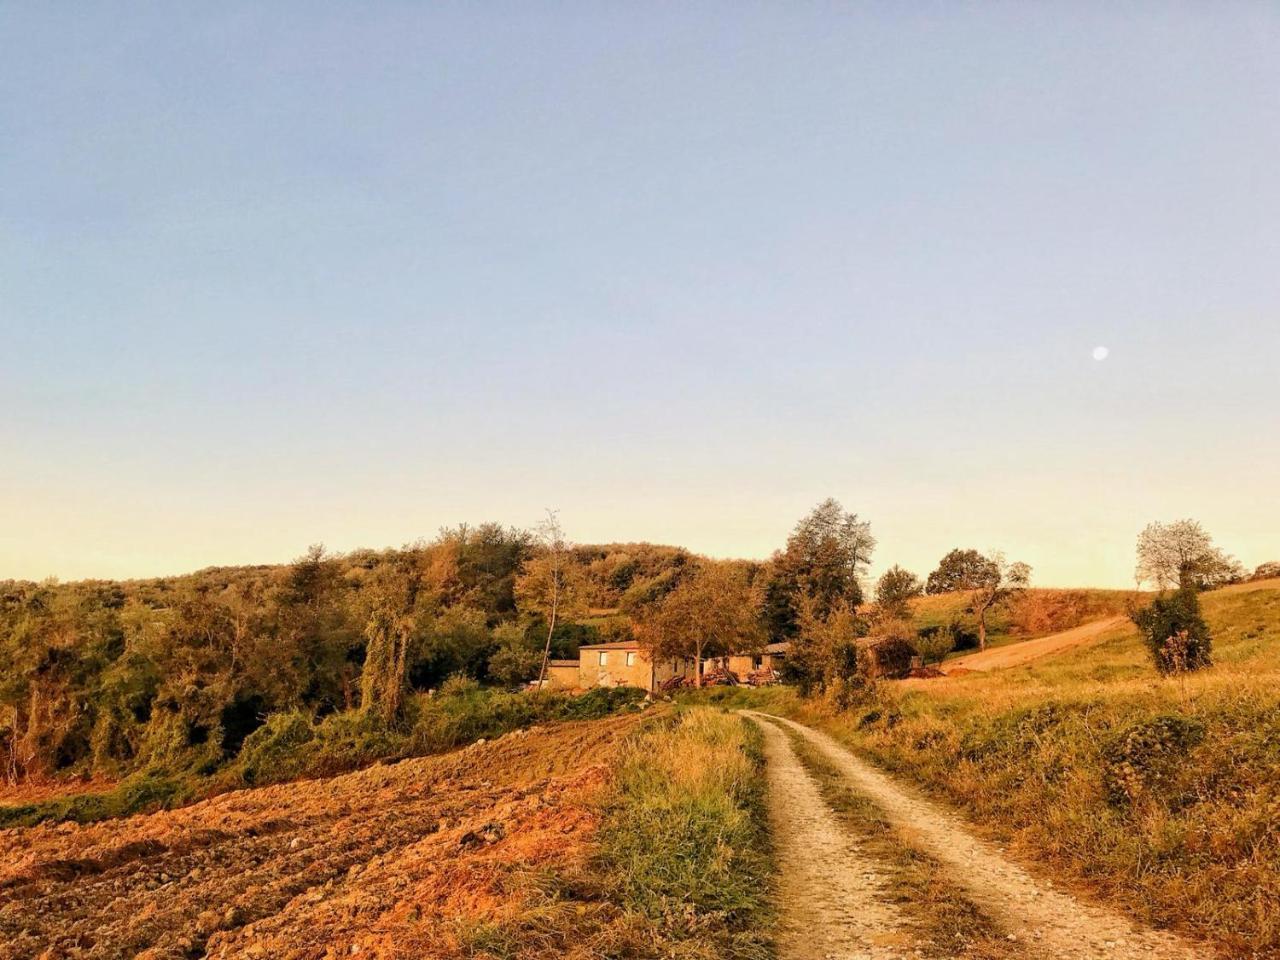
pixel 110 677
pixel 103 676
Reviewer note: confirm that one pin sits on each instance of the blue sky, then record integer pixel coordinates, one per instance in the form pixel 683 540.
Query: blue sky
pixel 346 273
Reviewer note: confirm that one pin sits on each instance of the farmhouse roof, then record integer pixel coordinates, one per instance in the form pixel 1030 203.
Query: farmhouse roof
pixel 612 645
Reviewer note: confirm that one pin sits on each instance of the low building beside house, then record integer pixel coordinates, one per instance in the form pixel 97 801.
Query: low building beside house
pixel 743 664
pixel 562 675
pixel 624 663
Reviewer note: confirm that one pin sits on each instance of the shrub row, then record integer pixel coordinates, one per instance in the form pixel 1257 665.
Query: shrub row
pixel 291 745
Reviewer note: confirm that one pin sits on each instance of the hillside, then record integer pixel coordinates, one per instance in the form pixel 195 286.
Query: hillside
pixel 103 678
pixel 1034 613
pixel 1157 794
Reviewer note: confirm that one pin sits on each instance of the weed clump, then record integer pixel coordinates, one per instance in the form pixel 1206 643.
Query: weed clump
pixel 1144 759
pixel 275 745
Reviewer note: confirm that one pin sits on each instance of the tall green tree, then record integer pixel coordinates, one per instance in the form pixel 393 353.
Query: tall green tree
pixel 959 570
pixel 894 592
pixel 712 613
pixel 395 605
pixel 824 561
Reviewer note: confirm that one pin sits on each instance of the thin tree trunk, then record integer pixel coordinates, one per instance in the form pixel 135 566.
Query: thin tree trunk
pixel 555 604
pixel 982 629
pixel 12 771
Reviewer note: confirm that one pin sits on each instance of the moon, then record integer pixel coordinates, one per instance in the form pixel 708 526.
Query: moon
pixel 1101 353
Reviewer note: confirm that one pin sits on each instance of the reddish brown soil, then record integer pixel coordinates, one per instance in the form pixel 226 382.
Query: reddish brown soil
pixel 392 862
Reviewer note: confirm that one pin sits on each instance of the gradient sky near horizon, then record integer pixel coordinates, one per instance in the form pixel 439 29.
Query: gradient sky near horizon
pixel 279 274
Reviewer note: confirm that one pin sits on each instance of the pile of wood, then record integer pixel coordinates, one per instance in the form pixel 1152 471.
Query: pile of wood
pixel 719 677
pixel 711 677
pixel 762 677
pixel 925 672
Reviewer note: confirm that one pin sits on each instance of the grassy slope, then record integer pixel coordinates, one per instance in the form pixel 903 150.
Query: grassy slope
pixel 1163 795
pixel 1038 612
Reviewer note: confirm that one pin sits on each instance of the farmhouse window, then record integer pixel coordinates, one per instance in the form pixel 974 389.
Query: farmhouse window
pixel 604 658
pixel 631 659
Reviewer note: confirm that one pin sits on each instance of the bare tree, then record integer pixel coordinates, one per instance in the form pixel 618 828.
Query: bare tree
pixel 1000 580
pixel 546 582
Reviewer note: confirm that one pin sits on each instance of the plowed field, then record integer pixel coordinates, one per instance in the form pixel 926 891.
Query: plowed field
pixel 393 861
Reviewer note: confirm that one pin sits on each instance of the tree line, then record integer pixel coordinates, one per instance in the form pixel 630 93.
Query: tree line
pixel 103 677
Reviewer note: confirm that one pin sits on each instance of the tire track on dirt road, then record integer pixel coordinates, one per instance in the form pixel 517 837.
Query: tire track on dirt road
pixel 1055 924
pixel 831 895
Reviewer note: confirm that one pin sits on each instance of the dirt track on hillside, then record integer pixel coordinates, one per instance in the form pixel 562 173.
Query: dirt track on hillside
pixel 387 862
pixel 833 896
pixel 1048 922
pixel 1016 654
pixel 1025 651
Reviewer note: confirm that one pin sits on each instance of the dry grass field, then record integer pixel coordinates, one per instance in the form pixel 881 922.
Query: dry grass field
pixel 1161 796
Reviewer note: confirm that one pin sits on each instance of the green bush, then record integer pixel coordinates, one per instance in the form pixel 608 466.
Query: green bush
pixel 274 751
pixel 1175 632
pixel 350 740
pixel 461 715
pixel 597 703
pixel 934 643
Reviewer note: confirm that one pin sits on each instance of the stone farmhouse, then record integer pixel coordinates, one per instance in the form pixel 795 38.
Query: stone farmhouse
pixel 626 663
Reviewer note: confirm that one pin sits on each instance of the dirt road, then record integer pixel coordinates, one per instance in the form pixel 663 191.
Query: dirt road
pixel 384 863
pixel 1050 923
pixel 834 892
pixel 1016 654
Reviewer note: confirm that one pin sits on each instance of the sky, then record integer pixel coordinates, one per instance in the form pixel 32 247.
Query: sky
pixel 273 275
